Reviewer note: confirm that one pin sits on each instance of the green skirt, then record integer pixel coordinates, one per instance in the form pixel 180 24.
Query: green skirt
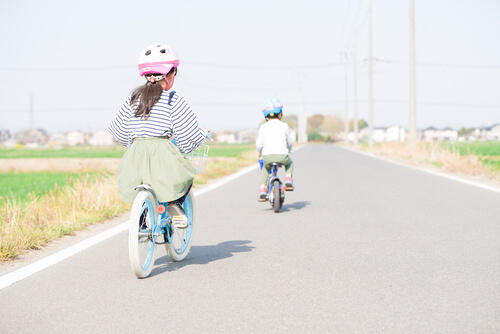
pixel 157 162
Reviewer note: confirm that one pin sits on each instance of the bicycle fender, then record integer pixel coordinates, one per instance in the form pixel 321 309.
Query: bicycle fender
pixel 274 179
pixel 147 188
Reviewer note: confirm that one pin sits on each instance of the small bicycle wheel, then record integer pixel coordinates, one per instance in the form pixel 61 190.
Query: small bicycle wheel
pixel 141 239
pixel 180 241
pixel 276 196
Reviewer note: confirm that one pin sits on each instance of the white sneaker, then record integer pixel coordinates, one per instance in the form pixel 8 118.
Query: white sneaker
pixel 179 219
pixel 180 222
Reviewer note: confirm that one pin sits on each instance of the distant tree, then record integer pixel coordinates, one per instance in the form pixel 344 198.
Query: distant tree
pixel 465 131
pixel 361 124
pixel 314 122
pixel 333 125
pixel 315 136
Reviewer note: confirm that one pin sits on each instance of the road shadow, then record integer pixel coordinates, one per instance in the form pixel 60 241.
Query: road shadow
pixel 203 255
pixel 294 206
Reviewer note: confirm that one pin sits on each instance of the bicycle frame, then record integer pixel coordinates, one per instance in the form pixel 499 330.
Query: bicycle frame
pixel 162 220
pixel 273 176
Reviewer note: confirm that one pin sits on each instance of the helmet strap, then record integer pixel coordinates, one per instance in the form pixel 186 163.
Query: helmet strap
pixel 169 83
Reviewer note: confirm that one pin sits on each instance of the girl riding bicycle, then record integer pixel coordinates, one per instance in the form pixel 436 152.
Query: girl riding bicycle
pixel 274 143
pixel 146 122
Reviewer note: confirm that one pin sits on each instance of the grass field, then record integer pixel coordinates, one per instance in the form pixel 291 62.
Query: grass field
pixel 487 151
pixel 22 187
pixel 229 150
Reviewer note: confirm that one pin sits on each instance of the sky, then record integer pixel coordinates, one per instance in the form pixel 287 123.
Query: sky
pixel 74 62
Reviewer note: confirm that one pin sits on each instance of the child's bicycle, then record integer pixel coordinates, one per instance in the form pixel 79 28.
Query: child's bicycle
pixel 275 188
pixel 151 225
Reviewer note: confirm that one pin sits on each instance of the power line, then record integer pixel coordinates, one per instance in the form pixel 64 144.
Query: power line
pixel 247 104
pixel 427 64
pixel 441 104
pixel 269 67
pixel 247 67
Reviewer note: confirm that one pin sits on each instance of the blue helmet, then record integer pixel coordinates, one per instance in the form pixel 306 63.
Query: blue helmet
pixel 272 107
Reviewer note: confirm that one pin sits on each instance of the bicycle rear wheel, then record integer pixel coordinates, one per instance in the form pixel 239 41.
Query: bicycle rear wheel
pixel 141 239
pixel 180 243
pixel 276 196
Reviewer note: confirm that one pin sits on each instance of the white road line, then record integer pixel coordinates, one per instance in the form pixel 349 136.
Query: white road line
pixel 50 260
pixel 28 270
pixel 429 171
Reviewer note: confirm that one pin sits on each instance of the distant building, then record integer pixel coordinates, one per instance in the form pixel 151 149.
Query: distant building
pixel 75 138
pixel 379 134
pixel 449 134
pixel 57 140
pixel 4 135
pixel 434 134
pixel 493 132
pixel 236 137
pixel 227 137
pixel 101 138
pixel 395 133
pixel 33 137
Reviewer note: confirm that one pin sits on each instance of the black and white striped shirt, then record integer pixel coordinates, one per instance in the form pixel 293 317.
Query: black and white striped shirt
pixel 170 116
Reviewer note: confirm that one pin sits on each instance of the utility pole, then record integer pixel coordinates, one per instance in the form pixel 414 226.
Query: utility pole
pixel 302 119
pixel 412 129
pixel 32 112
pixel 346 98
pixel 355 90
pixel 370 76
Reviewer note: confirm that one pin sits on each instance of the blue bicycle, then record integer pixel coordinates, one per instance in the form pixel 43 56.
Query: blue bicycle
pixel 275 188
pixel 150 224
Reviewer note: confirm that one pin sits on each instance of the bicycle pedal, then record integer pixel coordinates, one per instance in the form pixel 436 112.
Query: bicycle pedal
pixel 180 222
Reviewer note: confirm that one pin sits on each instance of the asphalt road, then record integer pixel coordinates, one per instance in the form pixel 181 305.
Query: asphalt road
pixel 361 246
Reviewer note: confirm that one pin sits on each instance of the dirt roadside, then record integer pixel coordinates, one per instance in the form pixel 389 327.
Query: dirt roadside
pixel 59 164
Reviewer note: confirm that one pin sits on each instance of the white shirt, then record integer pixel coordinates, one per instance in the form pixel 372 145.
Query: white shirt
pixel 274 138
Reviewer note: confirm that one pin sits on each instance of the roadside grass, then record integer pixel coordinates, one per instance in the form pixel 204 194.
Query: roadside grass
pixel 488 152
pixel 441 156
pixel 60 211
pixel 37 207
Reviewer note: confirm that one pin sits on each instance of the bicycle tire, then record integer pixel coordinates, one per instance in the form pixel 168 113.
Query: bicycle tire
pixel 180 244
pixel 141 240
pixel 276 196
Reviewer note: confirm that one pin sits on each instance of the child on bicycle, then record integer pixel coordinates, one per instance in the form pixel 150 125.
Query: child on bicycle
pixel 274 143
pixel 147 121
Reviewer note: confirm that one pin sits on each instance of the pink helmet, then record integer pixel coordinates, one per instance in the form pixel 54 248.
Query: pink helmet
pixel 157 58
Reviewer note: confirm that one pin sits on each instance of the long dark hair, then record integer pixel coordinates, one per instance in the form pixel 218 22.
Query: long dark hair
pixel 145 97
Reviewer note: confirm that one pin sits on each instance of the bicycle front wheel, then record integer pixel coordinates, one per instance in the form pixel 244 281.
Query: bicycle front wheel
pixel 180 242
pixel 141 238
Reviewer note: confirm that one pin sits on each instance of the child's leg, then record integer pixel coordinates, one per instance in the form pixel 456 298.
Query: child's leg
pixel 264 174
pixel 268 160
pixel 287 161
pixel 263 180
